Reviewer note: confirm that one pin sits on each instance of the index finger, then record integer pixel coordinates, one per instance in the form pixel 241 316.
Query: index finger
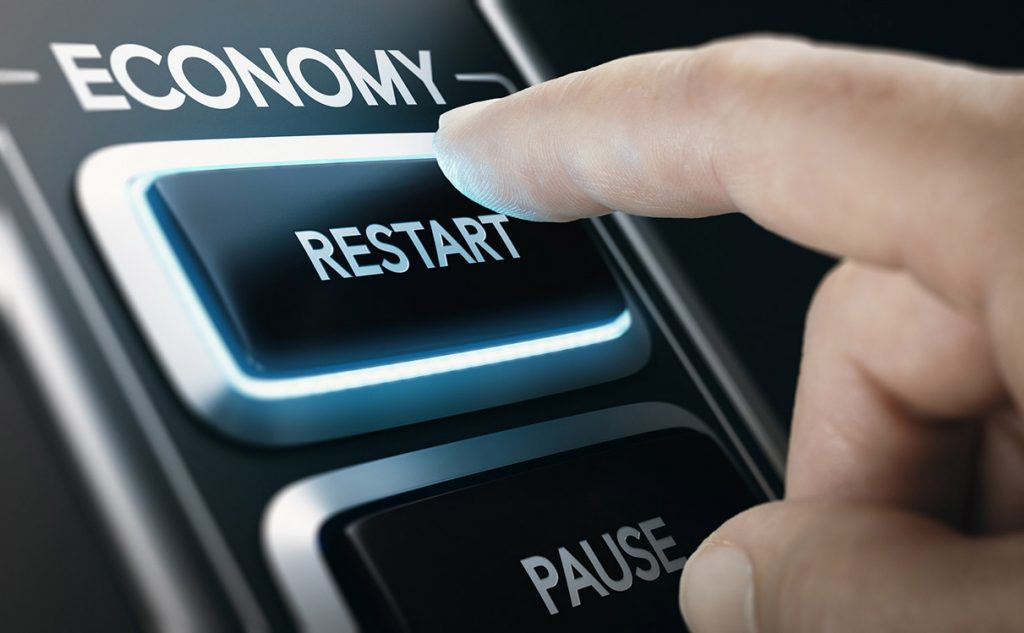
pixel 893 160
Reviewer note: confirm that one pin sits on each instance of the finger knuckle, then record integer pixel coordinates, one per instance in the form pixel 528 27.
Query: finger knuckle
pixel 832 295
pixel 736 66
pixel 804 580
pixel 1001 126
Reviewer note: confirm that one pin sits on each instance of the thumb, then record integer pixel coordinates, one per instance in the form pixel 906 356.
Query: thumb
pixel 817 565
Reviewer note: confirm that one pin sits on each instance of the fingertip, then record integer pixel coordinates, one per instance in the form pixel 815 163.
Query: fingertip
pixel 453 148
pixel 816 564
pixel 717 588
pixel 452 121
pixel 469 162
pixel 716 591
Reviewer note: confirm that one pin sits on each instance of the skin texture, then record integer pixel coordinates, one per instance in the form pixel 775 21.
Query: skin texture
pixel 904 506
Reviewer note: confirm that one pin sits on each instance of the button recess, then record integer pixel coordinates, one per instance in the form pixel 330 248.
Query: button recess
pixel 301 288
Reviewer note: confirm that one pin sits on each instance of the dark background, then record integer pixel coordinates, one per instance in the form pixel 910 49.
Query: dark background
pixel 758 286
pixel 56 573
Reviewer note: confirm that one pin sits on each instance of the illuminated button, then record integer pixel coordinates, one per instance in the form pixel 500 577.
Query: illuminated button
pixel 588 542
pixel 334 267
pixel 302 288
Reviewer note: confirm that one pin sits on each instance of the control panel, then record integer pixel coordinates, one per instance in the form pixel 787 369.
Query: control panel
pixel 307 384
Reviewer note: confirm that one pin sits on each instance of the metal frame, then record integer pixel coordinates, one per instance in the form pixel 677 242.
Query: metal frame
pixel 112 185
pixel 682 300
pixel 293 520
pixel 168 584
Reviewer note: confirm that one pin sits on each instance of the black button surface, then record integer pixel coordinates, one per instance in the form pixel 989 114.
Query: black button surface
pixel 342 265
pixel 594 541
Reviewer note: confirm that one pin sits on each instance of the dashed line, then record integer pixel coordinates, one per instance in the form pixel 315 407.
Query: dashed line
pixel 495 78
pixel 9 77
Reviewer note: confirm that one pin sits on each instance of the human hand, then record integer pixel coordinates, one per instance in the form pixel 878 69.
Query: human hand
pixel 904 503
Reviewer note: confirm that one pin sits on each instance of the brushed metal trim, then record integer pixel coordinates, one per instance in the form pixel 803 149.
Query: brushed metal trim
pixel 153 557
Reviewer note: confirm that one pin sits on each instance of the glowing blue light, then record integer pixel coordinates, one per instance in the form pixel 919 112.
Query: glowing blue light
pixel 267 388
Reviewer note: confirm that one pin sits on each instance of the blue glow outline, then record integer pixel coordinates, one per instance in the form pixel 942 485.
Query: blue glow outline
pixel 263 388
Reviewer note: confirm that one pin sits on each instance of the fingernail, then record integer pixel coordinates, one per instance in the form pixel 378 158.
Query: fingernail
pixel 717 590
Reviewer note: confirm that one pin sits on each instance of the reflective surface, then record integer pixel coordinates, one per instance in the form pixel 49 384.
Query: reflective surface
pixel 594 541
pixel 341 265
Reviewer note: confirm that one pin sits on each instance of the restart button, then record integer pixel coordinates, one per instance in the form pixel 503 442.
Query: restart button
pixel 301 288
pixel 315 268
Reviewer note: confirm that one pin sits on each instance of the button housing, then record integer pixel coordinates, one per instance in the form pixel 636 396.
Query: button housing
pixel 113 187
pixel 590 541
pixel 294 523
